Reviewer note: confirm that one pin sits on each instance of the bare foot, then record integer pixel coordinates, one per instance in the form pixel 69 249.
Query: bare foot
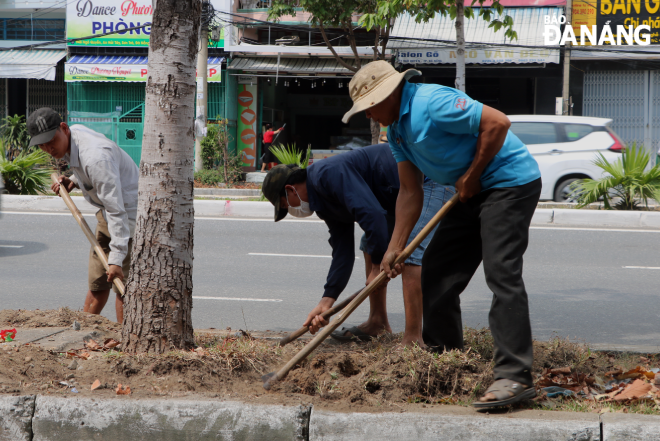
pixel 488 397
pixel 412 341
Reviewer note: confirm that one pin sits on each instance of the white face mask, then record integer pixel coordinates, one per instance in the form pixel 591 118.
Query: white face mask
pixel 301 211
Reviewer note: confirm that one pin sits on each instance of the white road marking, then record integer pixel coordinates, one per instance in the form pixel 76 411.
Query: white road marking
pixel 643 267
pixel 292 255
pixel 236 298
pixel 11 246
pixel 224 218
pixel 621 230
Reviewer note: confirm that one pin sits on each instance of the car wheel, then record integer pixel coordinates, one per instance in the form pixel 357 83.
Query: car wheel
pixel 563 191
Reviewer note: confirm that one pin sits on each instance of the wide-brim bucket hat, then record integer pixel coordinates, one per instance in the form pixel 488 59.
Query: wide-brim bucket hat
pixel 372 84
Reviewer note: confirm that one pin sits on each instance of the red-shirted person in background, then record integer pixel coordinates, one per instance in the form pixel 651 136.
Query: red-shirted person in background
pixel 268 156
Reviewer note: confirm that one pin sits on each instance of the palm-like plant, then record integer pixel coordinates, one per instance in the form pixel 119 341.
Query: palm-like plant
pixel 627 180
pixel 291 155
pixel 15 132
pixel 27 173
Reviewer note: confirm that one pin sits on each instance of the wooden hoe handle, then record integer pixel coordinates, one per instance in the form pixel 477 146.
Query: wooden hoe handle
pixel 352 306
pixel 327 314
pixel 88 232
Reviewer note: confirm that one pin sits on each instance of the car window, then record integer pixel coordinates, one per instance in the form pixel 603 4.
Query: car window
pixel 534 132
pixel 577 131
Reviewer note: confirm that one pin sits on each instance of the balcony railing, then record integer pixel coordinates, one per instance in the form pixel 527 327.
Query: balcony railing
pixel 26 29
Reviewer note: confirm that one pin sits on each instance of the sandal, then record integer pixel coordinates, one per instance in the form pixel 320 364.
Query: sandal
pixel 357 335
pixel 506 392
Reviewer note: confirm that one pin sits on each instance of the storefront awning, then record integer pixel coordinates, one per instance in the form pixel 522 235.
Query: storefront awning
pixel 132 69
pixel 306 66
pixel 434 42
pixel 37 64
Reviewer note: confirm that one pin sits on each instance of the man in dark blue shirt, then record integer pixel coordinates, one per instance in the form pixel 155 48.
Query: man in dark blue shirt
pixel 358 186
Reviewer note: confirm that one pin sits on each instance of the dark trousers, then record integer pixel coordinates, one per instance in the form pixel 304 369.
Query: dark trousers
pixel 494 227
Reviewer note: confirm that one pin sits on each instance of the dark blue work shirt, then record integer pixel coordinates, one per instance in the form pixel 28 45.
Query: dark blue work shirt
pixel 358 186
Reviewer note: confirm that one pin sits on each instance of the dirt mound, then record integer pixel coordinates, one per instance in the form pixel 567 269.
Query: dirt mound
pixel 370 376
pixel 52 318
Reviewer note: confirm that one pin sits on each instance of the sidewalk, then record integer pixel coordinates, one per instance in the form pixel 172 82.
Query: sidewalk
pixel 263 210
pixel 51 418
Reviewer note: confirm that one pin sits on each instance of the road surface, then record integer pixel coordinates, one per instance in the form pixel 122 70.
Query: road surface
pixel 596 285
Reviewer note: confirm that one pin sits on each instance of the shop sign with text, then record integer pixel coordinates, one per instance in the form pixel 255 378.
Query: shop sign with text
pixel 627 14
pixel 495 55
pixel 95 17
pixel 127 73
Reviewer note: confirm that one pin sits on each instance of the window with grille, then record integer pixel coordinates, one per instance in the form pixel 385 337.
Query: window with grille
pixel 27 29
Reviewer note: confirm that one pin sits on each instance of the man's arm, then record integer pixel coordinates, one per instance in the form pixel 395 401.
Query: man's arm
pixel 409 205
pixel 342 241
pixel 493 129
pixel 105 178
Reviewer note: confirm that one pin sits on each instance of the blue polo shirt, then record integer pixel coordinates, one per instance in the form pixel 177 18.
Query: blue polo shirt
pixel 437 131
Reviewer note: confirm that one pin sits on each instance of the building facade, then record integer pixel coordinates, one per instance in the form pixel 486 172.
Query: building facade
pixel 31 77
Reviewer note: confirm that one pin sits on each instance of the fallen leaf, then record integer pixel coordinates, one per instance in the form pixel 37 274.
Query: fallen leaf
pixel 644 360
pixel 125 390
pixel 613 373
pixel 92 345
pixel 96 384
pixel 636 390
pixel 639 371
pixel 110 343
pixel 564 370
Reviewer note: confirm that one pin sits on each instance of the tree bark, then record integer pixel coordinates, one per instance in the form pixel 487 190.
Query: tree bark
pixel 375 131
pixel 460 46
pixel 158 303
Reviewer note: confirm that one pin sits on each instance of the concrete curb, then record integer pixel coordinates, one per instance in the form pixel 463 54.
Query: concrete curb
pixel 16 418
pixel 451 424
pixel 622 427
pixel 57 419
pixel 47 418
pixel 263 210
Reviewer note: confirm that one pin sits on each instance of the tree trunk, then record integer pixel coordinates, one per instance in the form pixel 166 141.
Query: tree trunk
pixel 375 131
pixel 460 46
pixel 158 303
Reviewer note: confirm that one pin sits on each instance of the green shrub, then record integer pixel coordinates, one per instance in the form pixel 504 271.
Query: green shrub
pixel 626 179
pixel 14 130
pixel 27 173
pixel 208 177
pixel 210 148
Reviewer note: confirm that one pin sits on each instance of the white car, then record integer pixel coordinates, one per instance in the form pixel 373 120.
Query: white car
pixel 565 148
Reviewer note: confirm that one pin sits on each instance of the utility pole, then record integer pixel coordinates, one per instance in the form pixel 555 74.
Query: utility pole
pixel 202 84
pixel 567 63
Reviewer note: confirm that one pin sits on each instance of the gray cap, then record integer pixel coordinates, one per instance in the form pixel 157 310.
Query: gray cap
pixel 42 125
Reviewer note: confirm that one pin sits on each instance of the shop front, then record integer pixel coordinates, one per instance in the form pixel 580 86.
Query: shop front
pixel 106 76
pixel 309 95
pixel 30 79
pixel 106 93
pixel 517 77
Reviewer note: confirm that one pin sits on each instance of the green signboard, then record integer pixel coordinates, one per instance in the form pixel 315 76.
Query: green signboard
pixel 95 17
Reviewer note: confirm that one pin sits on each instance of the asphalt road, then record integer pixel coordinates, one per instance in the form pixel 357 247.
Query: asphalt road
pixel 577 280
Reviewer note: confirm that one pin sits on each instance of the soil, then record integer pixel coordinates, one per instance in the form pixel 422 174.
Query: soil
pixel 356 376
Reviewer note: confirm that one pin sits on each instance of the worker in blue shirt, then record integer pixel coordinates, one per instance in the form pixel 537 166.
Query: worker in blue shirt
pixel 358 186
pixel 442 133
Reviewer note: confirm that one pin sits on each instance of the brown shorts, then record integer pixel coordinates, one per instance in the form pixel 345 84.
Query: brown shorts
pixel 98 279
